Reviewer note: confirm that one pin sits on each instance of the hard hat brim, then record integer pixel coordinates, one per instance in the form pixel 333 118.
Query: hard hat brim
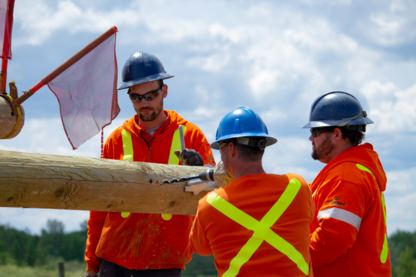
pixel 269 139
pixel 336 123
pixel 151 78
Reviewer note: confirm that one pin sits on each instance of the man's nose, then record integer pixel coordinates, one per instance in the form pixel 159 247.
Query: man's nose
pixel 144 102
pixel 311 138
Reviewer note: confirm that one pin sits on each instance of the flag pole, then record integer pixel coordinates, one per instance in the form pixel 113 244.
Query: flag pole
pixel 3 76
pixel 65 65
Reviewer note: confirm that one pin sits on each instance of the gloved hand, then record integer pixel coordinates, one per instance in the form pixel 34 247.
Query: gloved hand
pixel 190 157
pixel 221 176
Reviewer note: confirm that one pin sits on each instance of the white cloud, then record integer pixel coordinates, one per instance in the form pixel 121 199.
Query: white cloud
pixel 47 136
pixel 43 20
pixel 393 26
pixel 391 108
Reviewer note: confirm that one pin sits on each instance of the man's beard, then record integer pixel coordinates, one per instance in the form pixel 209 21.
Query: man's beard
pixel 323 150
pixel 152 116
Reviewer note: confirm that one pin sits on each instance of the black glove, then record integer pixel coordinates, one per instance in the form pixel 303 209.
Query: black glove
pixel 190 157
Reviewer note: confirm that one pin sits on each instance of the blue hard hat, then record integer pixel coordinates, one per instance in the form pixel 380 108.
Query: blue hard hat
pixel 142 68
pixel 337 109
pixel 243 122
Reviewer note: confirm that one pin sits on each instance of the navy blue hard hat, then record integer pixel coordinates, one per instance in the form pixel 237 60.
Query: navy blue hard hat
pixel 337 109
pixel 142 68
pixel 242 122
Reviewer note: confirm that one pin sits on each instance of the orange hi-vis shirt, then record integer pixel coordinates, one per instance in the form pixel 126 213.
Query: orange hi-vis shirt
pixel 247 245
pixel 348 234
pixel 138 240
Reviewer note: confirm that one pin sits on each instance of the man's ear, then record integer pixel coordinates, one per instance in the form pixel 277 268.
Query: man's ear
pixel 233 149
pixel 165 91
pixel 337 135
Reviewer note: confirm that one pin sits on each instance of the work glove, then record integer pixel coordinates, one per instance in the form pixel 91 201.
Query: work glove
pixel 221 176
pixel 190 157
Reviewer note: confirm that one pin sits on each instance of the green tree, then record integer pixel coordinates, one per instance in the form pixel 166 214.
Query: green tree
pixel 406 265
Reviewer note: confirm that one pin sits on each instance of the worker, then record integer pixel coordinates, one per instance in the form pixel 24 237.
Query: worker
pixel 348 233
pixel 139 244
pixel 258 224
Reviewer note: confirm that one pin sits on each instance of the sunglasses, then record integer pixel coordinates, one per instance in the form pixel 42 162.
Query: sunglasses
pixel 315 132
pixel 149 96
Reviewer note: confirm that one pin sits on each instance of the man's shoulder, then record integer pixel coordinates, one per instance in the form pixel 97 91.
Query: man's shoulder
pixel 116 133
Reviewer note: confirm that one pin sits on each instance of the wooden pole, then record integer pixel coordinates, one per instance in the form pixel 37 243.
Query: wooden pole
pixel 61 270
pixel 79 183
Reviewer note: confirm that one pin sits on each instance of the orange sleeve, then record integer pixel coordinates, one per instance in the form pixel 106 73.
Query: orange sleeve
pixel 97 219
pixel 340 207
pixel 198 241
pixel 95 226
pixel 199 143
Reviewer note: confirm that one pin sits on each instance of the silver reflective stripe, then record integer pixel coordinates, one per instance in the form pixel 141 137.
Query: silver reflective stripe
pixel 342 215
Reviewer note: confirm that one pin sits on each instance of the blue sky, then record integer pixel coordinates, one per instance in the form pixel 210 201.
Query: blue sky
pixel 273 56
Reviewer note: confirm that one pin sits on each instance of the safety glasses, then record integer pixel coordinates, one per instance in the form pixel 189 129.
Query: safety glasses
pixel 222 145
pixel 149 96
pixel 315 132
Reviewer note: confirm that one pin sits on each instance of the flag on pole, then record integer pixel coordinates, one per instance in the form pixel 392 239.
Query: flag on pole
pixel 6 17
pixel 87 91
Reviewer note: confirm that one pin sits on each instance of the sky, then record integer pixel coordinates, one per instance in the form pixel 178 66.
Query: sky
pixel 275 57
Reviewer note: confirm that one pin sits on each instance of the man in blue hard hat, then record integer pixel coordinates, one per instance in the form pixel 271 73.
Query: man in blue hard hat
pixel 349 232
pixel 258 224
pixel 137 244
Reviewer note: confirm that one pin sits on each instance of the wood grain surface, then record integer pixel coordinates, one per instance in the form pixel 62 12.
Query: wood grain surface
pixel 78 183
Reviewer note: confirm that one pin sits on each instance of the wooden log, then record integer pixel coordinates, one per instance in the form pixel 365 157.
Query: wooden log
pixel 79 183
pixel 8 121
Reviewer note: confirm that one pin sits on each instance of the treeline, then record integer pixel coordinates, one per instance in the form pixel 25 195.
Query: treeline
pixel 24 249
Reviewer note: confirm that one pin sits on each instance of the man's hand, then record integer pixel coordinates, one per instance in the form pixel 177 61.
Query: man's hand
pixel 221 176
pixel 91 273
pixel 190 157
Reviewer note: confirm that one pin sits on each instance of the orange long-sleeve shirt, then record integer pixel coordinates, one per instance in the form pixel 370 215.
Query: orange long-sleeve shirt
pixel 138 240
pixel 348 233
pixel 215 233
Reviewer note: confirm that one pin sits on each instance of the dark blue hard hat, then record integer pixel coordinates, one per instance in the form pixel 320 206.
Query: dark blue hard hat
pixel 337 108
pixel 241 123
pixel 142 68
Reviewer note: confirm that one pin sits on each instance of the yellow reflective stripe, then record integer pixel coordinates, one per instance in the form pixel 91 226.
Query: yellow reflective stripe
pixel 176 145
pixel 262 231
pixel 384 207
pixel 385 250
pixel 127 145
pixel 125 214
pixel 283 203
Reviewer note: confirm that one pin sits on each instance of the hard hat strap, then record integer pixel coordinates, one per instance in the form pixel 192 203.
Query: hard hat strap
pixel 345 122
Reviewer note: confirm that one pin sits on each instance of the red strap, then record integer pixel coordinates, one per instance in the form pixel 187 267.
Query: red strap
pixel 102 143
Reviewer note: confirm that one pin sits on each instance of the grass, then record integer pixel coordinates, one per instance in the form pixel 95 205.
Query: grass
pixel 72 269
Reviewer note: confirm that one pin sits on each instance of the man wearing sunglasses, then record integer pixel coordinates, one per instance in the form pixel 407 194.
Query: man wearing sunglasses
pixel 136 244
pixel 258 224
pixel 348 234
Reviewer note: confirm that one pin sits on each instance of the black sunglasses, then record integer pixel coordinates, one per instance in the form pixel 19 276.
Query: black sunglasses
pixel 315 132
pixel 149 96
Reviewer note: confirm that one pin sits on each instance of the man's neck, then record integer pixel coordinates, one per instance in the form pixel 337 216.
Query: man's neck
pixel 248 168
pixel 337 151
pixel 154 124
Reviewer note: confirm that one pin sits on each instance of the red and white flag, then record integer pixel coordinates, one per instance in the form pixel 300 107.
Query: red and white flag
pixel 87 92
pixel 6 18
